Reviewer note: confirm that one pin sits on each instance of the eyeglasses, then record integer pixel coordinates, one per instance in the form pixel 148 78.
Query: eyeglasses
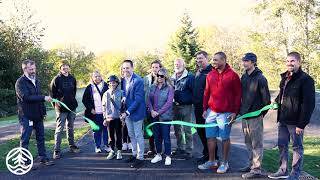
pixel 161 76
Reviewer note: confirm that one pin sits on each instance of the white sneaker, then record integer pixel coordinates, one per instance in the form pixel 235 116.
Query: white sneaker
pixel 119 155
pixel 124 146
pixel 167 162
pixel 223 168
pixel 98 150
pixel 111 155
pixel 107 148
pixel 156 158
pixel 130 146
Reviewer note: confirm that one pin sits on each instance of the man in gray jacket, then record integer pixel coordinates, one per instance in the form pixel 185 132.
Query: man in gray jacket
pixel 255 95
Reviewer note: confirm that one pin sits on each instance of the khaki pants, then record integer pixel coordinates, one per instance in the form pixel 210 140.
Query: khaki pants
pixel 253 138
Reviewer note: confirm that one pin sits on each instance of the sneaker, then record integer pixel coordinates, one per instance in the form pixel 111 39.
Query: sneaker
pixel 137 163
pixel 111 155
pixel 124 146
pixel 251 175
pixel 107 148
pixel 130 146
pixel 131 159
pixel 223 168
pixel 156 158
pixel 46 162
pixel 74 149
pixel 119 155
pixel 178 152
pixel 208 165
pixel 245 169
pixel 279 175
pixel 98 150
pixel 167 162
pixel 150 153
pixel 56 155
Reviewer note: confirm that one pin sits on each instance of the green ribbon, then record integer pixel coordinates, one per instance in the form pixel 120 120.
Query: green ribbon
pixel 93 125
pixel 193 126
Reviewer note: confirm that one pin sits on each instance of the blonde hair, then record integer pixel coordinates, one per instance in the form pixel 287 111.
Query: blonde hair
pixel 166 76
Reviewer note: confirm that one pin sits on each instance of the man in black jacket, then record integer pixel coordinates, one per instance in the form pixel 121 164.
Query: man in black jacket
pixel 255 95
pixel 64 87
pixel 31 109
pixel 296 101
pixel 197 96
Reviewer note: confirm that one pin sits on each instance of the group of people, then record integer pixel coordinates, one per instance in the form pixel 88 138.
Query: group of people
pixel 215 95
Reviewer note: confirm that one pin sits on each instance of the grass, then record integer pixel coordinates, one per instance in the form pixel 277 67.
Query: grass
pixel 49 142
pixel 311 157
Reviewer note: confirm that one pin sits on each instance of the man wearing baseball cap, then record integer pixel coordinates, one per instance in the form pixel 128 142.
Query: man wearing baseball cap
pixel 255 95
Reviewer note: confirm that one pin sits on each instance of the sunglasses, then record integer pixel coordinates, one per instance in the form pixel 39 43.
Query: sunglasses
pixel 161 76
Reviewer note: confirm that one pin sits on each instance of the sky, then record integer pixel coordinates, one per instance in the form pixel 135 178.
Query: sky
pixel 101 25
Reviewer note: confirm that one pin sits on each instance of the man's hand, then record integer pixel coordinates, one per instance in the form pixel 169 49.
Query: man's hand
pixel 93 111
pixel 123 116
pixel 232 118
pixel 48 98
pixel 299 131
pixel 204 114
pixel 106 123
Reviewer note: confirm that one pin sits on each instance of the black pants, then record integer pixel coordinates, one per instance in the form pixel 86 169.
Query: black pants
pixel 115 127
pixel 198 111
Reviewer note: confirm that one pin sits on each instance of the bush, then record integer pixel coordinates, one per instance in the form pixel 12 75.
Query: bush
pixel 8 102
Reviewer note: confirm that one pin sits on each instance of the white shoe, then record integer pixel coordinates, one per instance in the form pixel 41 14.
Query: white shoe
pixel 111 155
pixel 107 148
pixel 124 146
pixel 156 158
pixel 98 150
pixel 119 155
pixel 167 162
pixel 130 146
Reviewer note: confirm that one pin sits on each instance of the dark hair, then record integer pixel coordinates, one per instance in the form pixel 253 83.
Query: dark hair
pixel 128 61
pixel 157 62
pixel 296 55
pixel 204 53
pixel 26 62
pixel 222 54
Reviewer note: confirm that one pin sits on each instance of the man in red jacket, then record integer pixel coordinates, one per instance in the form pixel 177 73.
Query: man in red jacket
pixel 221 104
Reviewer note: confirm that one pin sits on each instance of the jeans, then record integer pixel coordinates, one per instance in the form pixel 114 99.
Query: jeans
pixel 136 136
pixel 103 131
pixel 162 134
pixel 285 133
pixel 26 132
pixel 61 119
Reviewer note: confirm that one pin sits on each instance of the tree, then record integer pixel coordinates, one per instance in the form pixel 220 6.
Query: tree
pixel 184 44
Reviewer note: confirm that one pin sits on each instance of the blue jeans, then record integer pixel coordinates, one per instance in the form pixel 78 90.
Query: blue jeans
pixel 161 134
pixel 103 131
pixel 136 135
pixel 26 132
pixel 63 118
pixel 285 133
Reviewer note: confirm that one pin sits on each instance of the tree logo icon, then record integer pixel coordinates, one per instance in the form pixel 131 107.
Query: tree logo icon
pixel 19 161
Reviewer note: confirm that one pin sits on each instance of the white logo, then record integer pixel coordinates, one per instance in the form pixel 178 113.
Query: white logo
pixel 19 161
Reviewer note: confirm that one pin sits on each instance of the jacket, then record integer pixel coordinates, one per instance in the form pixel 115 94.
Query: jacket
pixel 30 102
pixel 135 99
pixel 223 91
pixel 163 105
pixel 255 92
pixel 200 85
pixel 64 88
pixel 183 87
pixel 88 101
pixel 296 99
pixel 112 109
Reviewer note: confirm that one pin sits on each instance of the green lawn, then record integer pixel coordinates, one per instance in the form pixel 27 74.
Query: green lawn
pixel 49 137
pixel 311 157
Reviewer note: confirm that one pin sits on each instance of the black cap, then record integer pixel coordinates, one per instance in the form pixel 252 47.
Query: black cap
pixel 250 57
pixel 113 78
